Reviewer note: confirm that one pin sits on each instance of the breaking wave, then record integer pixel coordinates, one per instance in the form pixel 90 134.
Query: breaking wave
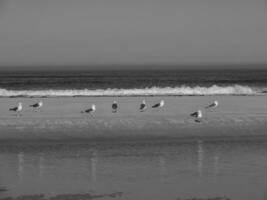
pixel 153 91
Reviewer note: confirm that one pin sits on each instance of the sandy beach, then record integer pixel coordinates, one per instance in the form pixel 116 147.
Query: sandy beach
pixel 61 118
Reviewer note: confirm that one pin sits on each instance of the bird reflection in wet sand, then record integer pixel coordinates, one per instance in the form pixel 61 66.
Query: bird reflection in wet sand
pixel 20 166
pixel 41 166
pixel 200 156
pixel 216 165
pixel 162 168
pixel 94 161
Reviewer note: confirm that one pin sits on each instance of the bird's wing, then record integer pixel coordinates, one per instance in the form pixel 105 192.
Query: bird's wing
pixel 211 105
pixel 156 105
pixel 142 106
pixel 88 110
pixel 193 114
pixel 14 108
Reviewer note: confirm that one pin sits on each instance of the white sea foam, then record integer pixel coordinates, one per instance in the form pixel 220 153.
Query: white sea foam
pixel 153 91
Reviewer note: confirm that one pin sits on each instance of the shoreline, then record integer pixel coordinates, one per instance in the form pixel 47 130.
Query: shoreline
pixel 264 93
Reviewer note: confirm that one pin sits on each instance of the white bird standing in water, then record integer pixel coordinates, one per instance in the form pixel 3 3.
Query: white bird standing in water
pixel 198 115
pixel 37 105
pixel 17 109
pixel 142 106
pixel 213 105
pixel 114 106
pixel 90 110
pixel 159 105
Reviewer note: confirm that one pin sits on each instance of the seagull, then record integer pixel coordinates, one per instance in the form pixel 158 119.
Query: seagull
pixel 198 115
pixel 90 110
pixel 142 106
pixel 213 105
pixel 114 106
pixel 159 105
pixel 17 108
pixel 37 105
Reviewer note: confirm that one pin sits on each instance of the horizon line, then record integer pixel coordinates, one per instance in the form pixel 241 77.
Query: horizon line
pixel 132 67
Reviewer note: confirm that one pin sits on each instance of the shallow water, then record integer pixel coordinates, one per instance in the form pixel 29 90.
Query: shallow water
pixel 167 169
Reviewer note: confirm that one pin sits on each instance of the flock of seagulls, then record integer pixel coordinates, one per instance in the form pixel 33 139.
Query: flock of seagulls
pixel 18 108
pixel 143 106
pixel 198 114
pixel 115 107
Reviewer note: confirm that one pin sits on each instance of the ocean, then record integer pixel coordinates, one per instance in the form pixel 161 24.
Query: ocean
pixel 132 83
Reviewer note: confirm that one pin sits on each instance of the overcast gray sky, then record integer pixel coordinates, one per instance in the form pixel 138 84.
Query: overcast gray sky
pixel 103 32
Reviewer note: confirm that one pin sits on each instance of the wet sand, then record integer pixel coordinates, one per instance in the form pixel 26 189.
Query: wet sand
pixel 61 118
pixel 171 170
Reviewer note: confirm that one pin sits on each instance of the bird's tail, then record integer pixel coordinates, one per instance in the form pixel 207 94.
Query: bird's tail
pixel 11 109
